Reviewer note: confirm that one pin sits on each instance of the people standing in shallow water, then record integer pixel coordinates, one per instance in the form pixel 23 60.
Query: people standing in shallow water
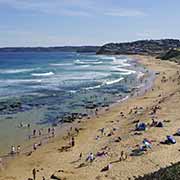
pixel 40 133
pixel 18 149
pixel 13 151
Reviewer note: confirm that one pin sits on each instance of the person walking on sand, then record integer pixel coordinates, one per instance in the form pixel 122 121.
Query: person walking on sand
pixel 77 130
pixel 102 131
pixel 34 146
pixel 34 132
pixel 90 157
pixel 80 156
pixel 34 174
pixel 73 142
pixel 49 130
pixel 53 132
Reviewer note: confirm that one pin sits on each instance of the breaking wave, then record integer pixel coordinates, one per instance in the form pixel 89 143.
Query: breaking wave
pixel 43 74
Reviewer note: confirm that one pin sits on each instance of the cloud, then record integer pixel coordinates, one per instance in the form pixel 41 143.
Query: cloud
pixel 125 13
pixel 72 8
pixel 149 33
pixel 75 13
pixel 85 8
pixel 155 34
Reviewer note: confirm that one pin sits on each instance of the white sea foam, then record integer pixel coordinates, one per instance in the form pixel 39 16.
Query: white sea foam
pixel 89 62
pixel 125 98
pixel 9 82
pixel 113 58
pixel 77 68
pixel 43 74
pixel 85 76
pixel 112 81
pixel 72 91
pixel 14 71
pixel 85 66
pixel 104 83
pixel 93 87
pixel 121 62
pixel 123 71
pixel 60 64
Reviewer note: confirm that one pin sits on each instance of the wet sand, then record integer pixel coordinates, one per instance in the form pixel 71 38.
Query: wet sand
pixel 64 163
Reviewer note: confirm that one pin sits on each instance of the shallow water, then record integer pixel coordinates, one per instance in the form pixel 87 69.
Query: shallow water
pixel 50 86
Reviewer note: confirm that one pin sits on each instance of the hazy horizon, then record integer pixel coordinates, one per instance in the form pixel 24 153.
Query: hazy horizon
pixel 54 46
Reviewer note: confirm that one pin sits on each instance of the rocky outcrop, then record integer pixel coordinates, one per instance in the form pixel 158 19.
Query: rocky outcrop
pixel 143 47
pixel 168 173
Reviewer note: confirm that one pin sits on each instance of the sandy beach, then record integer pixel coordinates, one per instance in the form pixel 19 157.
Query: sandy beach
pixel 58 159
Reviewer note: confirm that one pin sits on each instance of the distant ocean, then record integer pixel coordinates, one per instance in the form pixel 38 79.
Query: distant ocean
pixel 51 85
pixel 23 73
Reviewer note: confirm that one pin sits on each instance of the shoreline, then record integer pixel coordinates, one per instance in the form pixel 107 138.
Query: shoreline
pixel 61 127
pixel 87 134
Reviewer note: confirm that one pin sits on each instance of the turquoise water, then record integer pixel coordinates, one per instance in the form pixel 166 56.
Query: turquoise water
pixel 51 86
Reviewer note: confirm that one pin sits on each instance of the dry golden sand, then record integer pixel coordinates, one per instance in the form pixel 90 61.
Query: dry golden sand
pixel 48 159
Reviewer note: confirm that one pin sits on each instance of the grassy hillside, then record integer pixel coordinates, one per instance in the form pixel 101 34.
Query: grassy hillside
pixel 170 173
pixel 171 55
pixel 143 47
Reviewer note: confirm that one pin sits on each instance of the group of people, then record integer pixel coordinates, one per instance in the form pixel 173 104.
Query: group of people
pixel 37 133
pixel 50 131
pixel 14 150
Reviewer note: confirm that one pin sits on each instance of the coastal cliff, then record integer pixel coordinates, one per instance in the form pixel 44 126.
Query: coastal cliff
pixel 142 47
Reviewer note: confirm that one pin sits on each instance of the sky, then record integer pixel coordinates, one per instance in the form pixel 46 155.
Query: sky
pixel 86 22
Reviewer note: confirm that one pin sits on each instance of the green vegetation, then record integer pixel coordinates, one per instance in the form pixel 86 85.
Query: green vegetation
pixel 171 55
pixel 169 173
pixel 143 47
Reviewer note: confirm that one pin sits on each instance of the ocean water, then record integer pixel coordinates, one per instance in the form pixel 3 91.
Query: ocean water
pixel 52 85
pixel 23 73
